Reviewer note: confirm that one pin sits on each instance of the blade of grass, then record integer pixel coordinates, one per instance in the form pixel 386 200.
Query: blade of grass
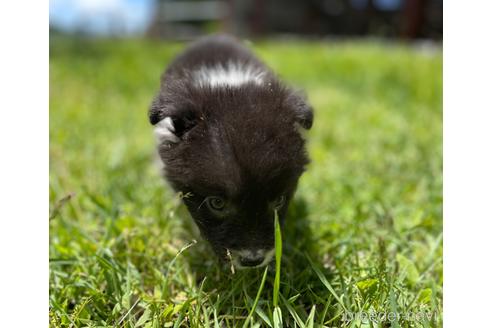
pixel 128 312
pixel 59 204
pixel 263 316
pixel 277 318
pixel 293 312
pixel 394 308
pixel 257 298
pixel 216 321
pixel 310 319
pixel 278 258
pixel 325 282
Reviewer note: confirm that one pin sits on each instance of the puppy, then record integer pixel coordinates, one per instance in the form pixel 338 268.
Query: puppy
pixel 228 133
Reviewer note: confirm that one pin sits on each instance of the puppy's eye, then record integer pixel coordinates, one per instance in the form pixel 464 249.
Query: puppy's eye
pixel 215 203
pixel 279 202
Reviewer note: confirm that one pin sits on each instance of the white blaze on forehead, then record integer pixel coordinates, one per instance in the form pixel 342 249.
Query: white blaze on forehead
pixel 231 74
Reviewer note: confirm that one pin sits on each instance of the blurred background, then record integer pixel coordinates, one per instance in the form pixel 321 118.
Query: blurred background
pixel 188 19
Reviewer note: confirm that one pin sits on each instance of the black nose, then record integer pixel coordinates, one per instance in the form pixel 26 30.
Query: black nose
pixel 251 262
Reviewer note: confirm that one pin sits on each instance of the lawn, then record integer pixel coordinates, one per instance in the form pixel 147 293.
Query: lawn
pixel 363 234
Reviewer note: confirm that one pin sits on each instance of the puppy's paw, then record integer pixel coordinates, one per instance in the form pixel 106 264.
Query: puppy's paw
pixel 165 131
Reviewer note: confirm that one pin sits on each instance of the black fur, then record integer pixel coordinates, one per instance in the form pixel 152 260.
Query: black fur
pixel 240 143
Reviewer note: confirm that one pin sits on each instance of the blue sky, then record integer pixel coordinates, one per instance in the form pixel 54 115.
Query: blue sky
pixel 102 16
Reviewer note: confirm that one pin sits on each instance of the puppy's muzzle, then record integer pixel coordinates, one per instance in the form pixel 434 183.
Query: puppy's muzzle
pixel 251 261
pixel 253 258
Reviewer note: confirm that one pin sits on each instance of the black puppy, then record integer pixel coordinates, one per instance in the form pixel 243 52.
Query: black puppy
pixel 228 135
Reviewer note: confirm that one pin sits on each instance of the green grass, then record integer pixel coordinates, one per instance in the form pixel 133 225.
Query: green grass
pixel 364 232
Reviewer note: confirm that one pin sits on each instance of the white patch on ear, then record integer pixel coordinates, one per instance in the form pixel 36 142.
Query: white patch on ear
pixel 164 131
pixel 231 75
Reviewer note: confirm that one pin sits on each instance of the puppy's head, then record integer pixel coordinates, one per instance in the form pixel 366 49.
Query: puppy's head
pixel 236 154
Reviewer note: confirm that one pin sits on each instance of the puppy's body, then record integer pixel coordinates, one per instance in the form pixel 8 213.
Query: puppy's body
pixel 228 134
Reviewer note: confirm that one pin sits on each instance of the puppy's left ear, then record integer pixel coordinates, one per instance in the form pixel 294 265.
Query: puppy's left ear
pixel 302 110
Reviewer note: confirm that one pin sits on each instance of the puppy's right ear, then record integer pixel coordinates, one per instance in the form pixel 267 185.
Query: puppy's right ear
pixel 302 110
pixel 171 122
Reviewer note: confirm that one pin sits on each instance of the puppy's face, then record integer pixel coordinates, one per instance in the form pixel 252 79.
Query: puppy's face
pixel 237 163
pixel 239 222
